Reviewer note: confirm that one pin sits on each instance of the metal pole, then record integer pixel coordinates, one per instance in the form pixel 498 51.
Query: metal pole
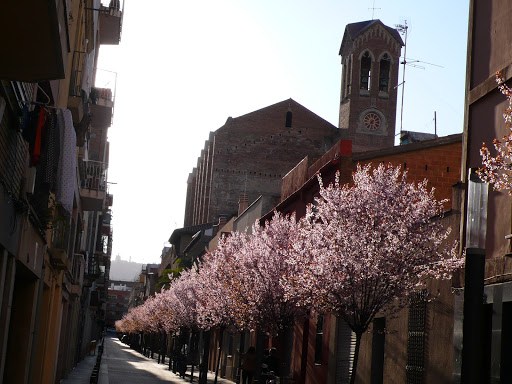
pixel 473 321
pixel 435 124
pixel 403 79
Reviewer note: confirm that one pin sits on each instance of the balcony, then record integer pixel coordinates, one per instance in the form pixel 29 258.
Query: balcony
pixel 110 200
pixel 93 182
pixel 78 84
pixel 59 245
pixel 111 22
pixel 102 107
pixel 37 46
pixel 92 270
pixel 59 259
pixel 106 227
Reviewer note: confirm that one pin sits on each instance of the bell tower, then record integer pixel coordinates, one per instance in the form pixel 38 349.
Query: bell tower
pixel 370 58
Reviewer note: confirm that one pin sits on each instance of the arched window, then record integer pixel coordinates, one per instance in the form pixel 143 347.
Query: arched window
pixel 348 76
pixel 366 69
pixel 384 66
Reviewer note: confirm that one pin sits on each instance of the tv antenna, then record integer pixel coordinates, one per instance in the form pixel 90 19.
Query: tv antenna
pixel 373 9
pixel 402 29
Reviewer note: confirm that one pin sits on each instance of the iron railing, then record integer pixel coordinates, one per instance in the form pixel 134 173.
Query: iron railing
pixel 93 175
pixel 93 265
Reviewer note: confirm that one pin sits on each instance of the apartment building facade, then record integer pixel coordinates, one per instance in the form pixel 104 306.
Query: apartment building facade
pixel 55 209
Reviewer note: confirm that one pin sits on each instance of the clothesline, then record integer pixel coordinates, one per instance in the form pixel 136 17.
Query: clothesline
pixel 42 105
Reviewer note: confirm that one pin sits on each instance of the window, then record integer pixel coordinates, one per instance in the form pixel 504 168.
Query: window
pixel 319 339
pixel 366 69
pixel 348 76
pixel 384 66
pixel 288 119
pixel 416 338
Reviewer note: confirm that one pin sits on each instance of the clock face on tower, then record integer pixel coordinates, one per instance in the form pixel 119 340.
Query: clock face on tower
pixel 371 121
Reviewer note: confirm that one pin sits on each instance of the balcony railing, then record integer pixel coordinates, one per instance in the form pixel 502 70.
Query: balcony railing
pixel 93 183
pixel 93 175
pixel 103 98
pixel 59 245
pixel 111 22
pixel 93 266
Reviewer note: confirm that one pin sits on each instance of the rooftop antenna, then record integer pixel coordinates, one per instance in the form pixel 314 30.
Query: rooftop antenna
pixel 402 29
pixel 373 9
pixel 435 124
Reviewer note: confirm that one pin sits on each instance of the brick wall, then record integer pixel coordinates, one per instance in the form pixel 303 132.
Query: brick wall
pixel 250 154
pixel 353 106
pixel 440 164
pixel 437 160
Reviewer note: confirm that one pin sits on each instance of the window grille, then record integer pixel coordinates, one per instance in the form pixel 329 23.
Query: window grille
pixel 416 338
pixel 13 153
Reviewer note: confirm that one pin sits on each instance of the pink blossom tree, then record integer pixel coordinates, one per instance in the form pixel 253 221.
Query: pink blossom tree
pixel 497 169
pixel 218 274
pixel 263 266
pixel 372 243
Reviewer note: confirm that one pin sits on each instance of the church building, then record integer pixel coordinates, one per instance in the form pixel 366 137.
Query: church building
pixel 370 56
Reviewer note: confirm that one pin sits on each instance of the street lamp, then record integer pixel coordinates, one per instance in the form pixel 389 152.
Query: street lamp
pixel 473 321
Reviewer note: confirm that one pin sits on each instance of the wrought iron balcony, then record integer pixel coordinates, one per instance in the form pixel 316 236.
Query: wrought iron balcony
pixel 93 267
pixel 93 183
pixel 102 106
pixel 59 245
pixel 111 22
pixel 80 83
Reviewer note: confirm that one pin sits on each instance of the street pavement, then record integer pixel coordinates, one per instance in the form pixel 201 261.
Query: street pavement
pixel 122 365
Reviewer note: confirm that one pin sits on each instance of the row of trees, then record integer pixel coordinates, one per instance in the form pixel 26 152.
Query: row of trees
pixel 360 249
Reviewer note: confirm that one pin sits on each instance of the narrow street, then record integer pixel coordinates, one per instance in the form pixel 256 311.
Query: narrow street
pixel 122 365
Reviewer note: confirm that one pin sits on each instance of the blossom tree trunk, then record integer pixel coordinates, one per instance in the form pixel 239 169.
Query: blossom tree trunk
pixel 353 374
pixel 203 367
pixel 217 366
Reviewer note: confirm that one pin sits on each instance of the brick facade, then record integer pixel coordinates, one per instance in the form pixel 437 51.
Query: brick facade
pixel 383 46
pixel 250 154
pixel 437 160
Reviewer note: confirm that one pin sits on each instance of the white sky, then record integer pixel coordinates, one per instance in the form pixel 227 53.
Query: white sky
pixel 184 67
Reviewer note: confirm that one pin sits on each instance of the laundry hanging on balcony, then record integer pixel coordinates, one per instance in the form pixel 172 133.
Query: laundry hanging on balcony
pixel 33 131
pixel 51 138
pixel 51 152
pixel 66 171
pixel 88 75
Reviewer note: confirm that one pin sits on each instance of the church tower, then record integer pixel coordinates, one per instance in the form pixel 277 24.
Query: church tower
pixel 370 58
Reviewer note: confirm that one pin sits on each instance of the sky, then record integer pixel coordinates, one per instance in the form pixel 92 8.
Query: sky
pixel 184 67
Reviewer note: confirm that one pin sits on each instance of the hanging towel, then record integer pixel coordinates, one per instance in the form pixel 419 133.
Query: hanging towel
pixel 35 155
pixel 66 171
